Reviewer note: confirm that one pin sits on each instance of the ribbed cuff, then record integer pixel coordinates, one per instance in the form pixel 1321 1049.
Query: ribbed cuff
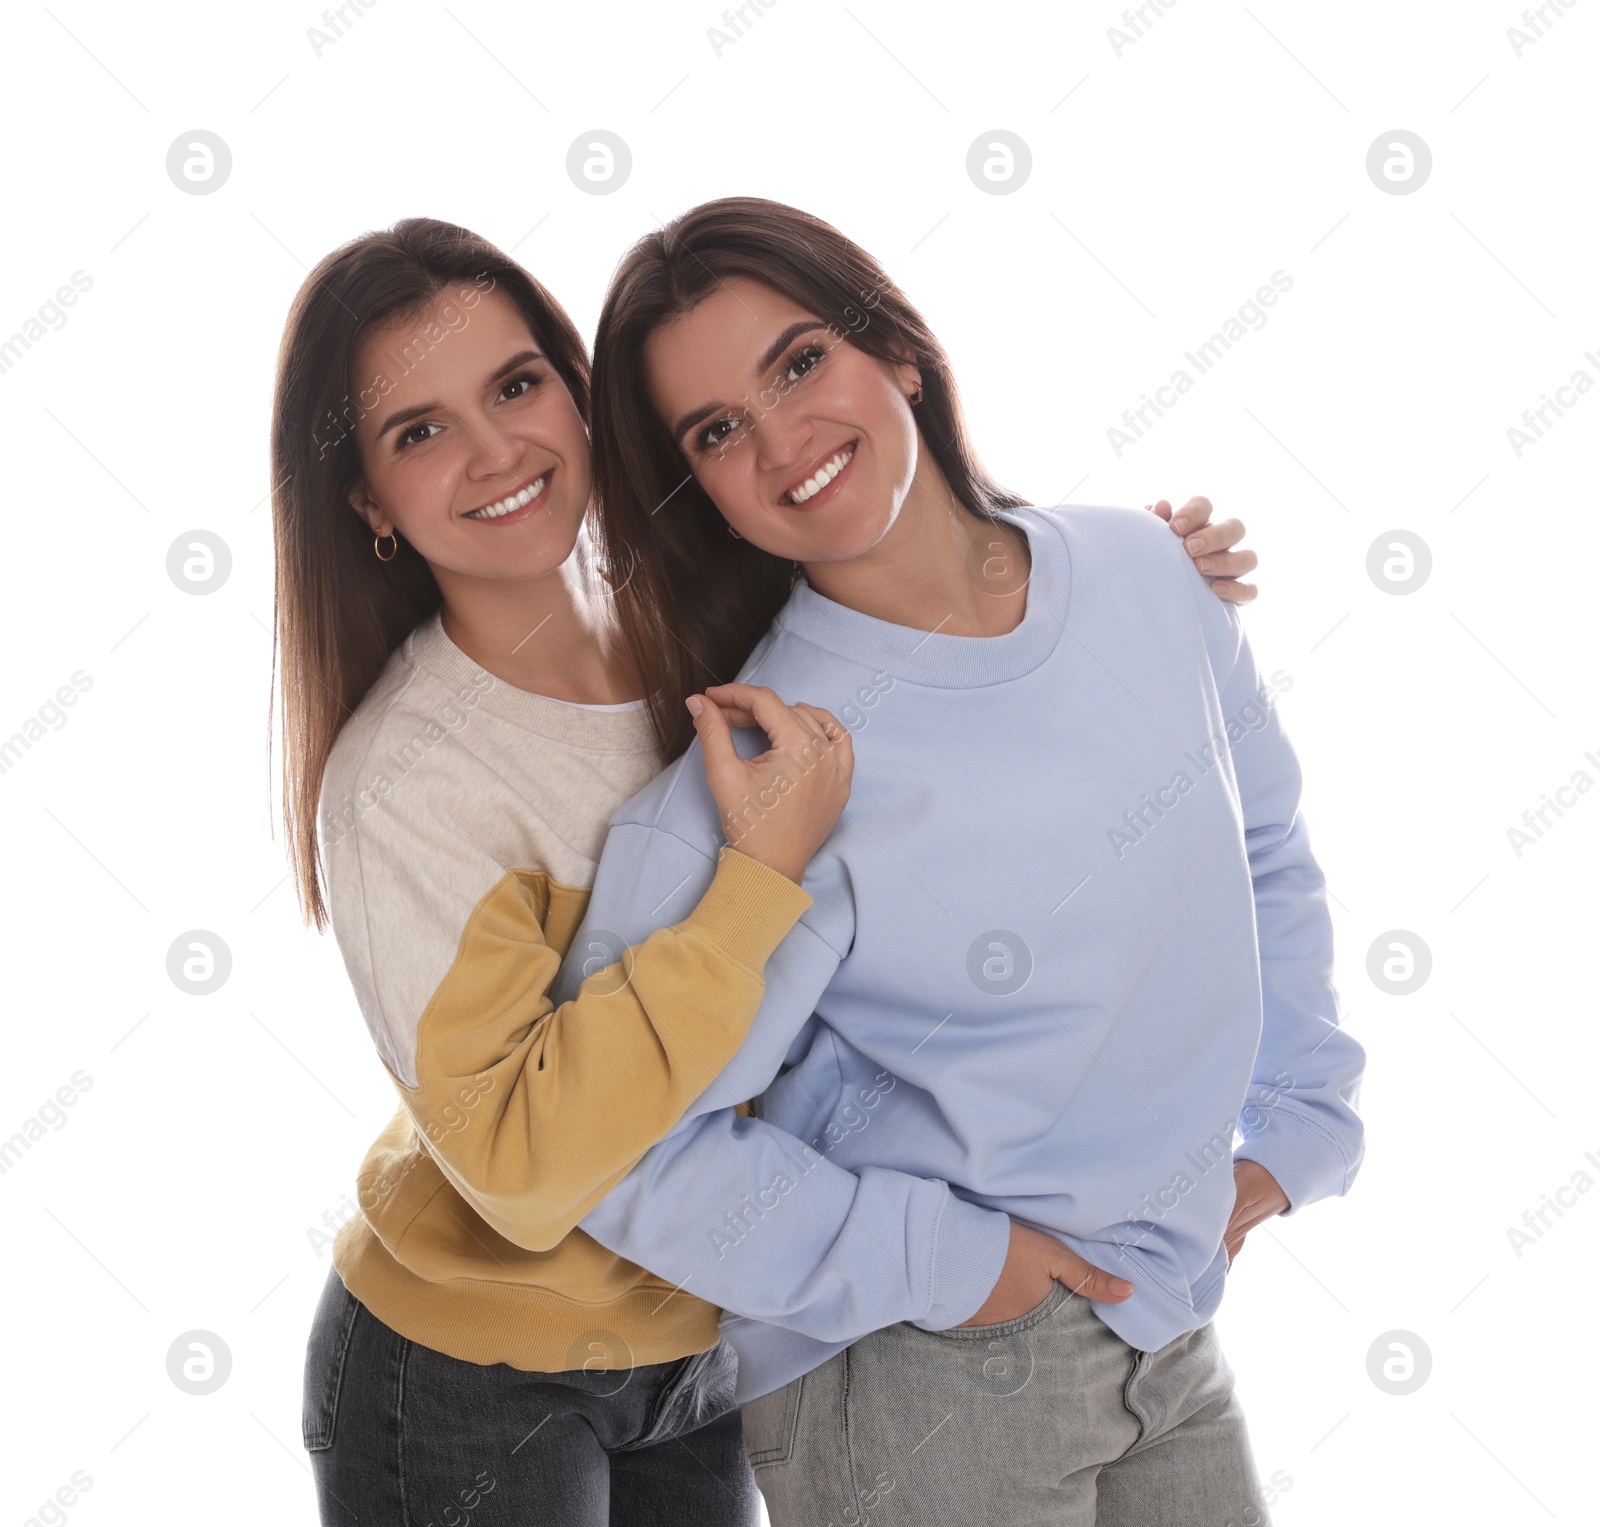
pixel 968 1256
pixel 747 909
pixel 1304 1159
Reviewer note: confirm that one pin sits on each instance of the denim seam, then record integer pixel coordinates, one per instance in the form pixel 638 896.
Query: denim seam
pixel 783 1453
pixel 325 1440
pixel 844 1416
pixel 400 1429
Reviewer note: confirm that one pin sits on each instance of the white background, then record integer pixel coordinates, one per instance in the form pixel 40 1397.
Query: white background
pixel 1169 182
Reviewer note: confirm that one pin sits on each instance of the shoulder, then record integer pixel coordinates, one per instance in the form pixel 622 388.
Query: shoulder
pixel 404 874
pixel 1137 551
pixel 1132 559
pixel 1104 530
pixel 677 804
pixel 398 735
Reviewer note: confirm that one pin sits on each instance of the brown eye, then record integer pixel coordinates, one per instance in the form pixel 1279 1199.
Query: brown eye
pixel 802 364
pixel 715 434
pixel 412 435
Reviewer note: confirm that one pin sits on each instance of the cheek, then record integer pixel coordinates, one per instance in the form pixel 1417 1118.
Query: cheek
pixel 730 483
pixel 555 425
pixel 870 401
pixel 418 491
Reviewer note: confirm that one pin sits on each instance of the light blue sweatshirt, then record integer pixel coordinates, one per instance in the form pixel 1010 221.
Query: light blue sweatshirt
pixel 1067 938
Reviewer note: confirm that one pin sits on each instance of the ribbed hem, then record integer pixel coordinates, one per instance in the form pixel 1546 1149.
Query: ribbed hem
pixel 521 1325
pixel 1304 1159
pixel 1151 1316
pixel 969 1252
pixel 747 909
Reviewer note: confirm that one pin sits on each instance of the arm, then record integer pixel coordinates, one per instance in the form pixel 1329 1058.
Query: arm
pixel 746 1215
pixel 1299 1121
pixel 532 1110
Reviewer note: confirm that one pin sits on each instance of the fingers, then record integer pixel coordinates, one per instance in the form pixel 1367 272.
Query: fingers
pixel 779 721
pixel 1162 510
pixel 711 726
pixel 1090 1281
pixel 1192 516
pixel 736 715
pixel 1227 564
pixel 1234 591
pixel 826 723
pixel 819 718
pixel 788 727
pixel 735 694
pixel 1211 538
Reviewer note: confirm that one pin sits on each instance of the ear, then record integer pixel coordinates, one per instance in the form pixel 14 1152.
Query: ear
pixel 908 377
pixel 366 509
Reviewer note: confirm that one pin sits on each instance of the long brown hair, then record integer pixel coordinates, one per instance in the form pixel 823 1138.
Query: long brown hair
pixel 703 599
pixel 340 611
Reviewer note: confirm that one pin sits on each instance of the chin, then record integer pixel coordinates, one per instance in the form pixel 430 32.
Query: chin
pixel 850 535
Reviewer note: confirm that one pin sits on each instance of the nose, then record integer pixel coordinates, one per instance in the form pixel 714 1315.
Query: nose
pixel 494 450
pixel 783 434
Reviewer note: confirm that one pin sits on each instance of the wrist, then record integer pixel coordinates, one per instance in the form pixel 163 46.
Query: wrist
pixel 788 865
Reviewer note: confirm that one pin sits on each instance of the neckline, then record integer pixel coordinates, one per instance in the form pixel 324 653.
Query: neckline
pixel 936 659
pixel 595 730
pixel 603 709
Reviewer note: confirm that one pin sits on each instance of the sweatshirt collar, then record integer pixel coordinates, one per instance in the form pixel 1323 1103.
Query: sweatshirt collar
pixel 932 658
pixel 429 647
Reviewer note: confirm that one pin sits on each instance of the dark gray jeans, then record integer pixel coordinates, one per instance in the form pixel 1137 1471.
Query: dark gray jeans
pixel 403 1436
pixel 1049 1420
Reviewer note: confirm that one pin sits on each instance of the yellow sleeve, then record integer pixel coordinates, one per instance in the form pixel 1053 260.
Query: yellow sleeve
pixel 535 1112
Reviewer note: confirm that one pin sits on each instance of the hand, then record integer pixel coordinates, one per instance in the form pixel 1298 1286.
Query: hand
pixel 1209 545
pixel 1035 1261
pixel 1256 1197
pixel 780 806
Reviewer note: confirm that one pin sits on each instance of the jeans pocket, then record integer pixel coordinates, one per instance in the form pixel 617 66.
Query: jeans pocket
pixel 1042 1311
pixel 326 1350
pixel 771 1423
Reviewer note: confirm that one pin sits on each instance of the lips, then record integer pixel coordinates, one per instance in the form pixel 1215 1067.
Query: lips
pixel 530 494
pixel 821 476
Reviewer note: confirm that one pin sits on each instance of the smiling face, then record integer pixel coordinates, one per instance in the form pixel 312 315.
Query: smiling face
pixel 807 445
pixel 475 453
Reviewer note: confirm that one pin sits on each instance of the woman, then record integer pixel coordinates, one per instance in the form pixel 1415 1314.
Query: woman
pixel 460 720
pixel 1067 938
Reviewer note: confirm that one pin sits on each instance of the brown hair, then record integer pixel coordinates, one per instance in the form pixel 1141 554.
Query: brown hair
pixel 702 599
pixel 340 612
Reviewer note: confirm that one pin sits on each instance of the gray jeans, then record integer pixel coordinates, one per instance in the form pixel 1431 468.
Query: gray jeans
pixel 1049 1420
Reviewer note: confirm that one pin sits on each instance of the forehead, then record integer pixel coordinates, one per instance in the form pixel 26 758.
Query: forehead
pixel 458 339
pixel 718 342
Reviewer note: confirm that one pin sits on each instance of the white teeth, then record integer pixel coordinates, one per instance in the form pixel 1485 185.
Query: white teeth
pixel 825 474
pixel 508 504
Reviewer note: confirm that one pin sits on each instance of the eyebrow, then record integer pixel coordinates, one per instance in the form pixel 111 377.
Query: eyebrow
pixel 769 358
pixel 406 415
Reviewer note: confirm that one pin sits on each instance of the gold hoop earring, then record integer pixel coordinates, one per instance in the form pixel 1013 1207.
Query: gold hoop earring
pixel 394 547
pixel 734 533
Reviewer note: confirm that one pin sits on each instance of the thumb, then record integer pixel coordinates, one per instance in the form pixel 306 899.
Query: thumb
pixel 1091 1282
pixel 716 741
